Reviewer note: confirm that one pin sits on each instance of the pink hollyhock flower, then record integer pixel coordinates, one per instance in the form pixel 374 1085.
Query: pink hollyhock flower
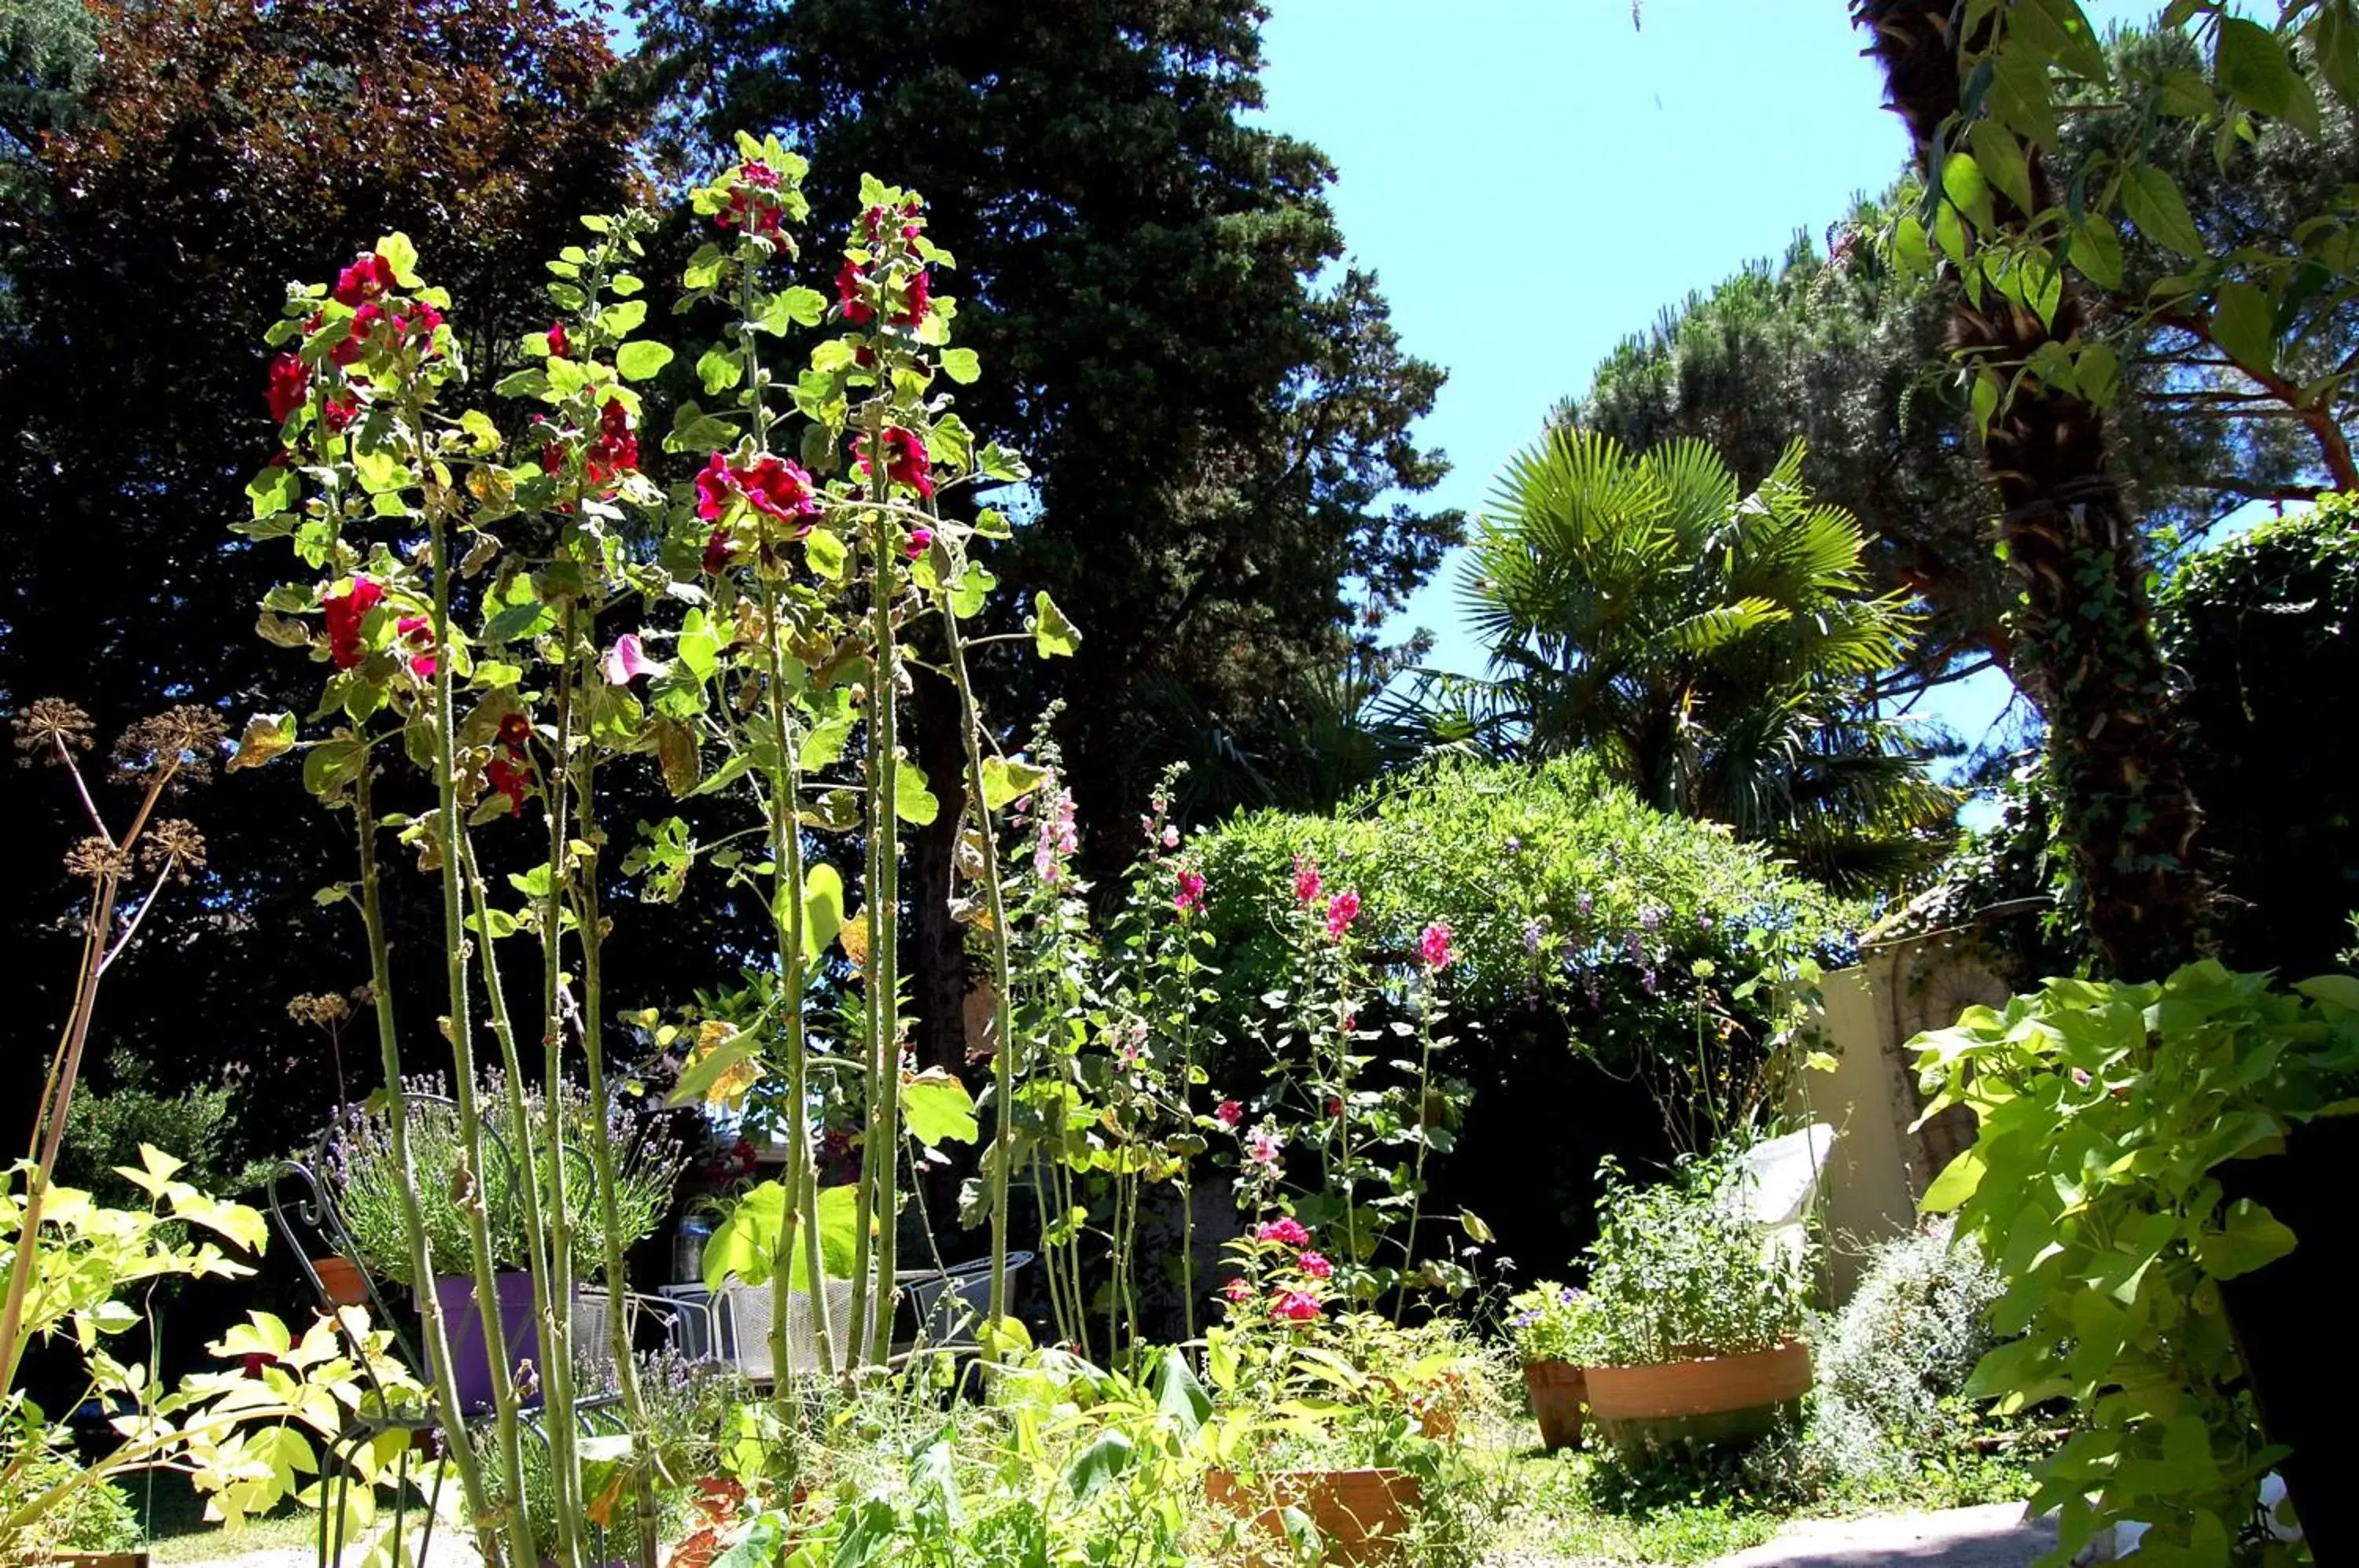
pixel 921 539
pixel 848 298
pixel 1190 896
pixel 1231 1114
pixel 559 346
pixel 1315 1265
pixel 510 778
pixel 370 276
pixel 713 492
pixel 1433 946
pixel 345 611
pixel 920 300
pixel 1285 1230
pixel 1238 1291
pixel 417 633
pixel 754 171
pixel 1170 836
pixel 1306 880
pixel 290 384
pixel 1262 1145
pixel 627 661
pixel 1295 1306
pixel 1341 911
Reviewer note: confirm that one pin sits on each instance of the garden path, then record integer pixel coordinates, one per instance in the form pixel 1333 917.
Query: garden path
pixel 1993 1536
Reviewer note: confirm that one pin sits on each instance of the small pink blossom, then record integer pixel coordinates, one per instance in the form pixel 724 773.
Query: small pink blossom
pixel 1262 1145
pixel 1315 1265
pixel 921 539
pixel 1306 880
pixel 627 661
pixel 1231 1114
pixel 417 635
pixel 1190 897
pixel 1341 911
pixel 1238 1291
pixel 1433 946
pixel 1286 1229
pixel 1295 1306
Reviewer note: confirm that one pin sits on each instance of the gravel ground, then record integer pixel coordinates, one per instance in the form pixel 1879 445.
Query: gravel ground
pixel 1994 1536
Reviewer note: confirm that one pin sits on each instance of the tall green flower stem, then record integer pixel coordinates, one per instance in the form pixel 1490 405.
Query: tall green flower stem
pixel 448 826
pixel 1416 1166
pixel 1003 1011
pixel 788 915
pixel 881 1146
pixel 471 1485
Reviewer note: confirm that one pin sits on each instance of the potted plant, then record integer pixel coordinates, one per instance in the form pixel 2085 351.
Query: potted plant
pixel 366 1178
pixel 1326 1430
pixel 1690 1327
pixel 1548 1329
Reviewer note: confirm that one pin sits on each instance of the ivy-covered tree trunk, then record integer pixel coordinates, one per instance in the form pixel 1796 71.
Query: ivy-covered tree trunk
pixel 2083 634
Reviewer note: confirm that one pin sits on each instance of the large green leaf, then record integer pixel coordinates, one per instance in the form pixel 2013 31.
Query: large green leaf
pixel 936 1108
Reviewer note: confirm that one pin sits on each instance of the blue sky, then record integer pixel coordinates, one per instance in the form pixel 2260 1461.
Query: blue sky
pixel 1535 179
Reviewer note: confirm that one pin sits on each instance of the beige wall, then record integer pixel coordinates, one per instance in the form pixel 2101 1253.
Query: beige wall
pixel 1882 1163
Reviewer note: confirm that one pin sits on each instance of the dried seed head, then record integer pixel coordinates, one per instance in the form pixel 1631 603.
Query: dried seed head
pixel 171 845
pixel 325 1011
pixel 184 740
pixel 51 726
pixel 95 858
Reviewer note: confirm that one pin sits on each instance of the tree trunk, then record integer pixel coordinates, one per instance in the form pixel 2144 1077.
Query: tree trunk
pixel 2115 740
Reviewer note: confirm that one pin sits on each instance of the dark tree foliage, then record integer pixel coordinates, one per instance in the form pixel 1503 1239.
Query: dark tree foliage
pixel 1217 419
pixel 1852 353
pixel 218 150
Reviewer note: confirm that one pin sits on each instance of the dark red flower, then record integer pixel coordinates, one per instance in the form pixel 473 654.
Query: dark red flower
pixel 364 323
pixel 345 611
pixel 920 298
pixel 515 730
pixel 772 486
pixel 370 276
pixel 713 489
pixel 559 346
pixel 921 539
pixel 419 324
pixel 716 553
pixel 616 450
pixel 848 295
pixel 905 461
pixel 512 779
pixel 342 411
pixel 290 384
pixel 417 633
pixel 754 171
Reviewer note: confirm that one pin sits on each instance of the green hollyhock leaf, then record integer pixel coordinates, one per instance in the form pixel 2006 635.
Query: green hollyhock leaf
pixel 823 909
pixel 796 307
pixel 623 320
pixel 1053 635
pixel 937 1108
pixel 641 361
pixel 912 801
pixel 402 256
pixel 266 736
pixel 482 434
pixel 273 491
pixel 1005 783
pixel 719 371
pixel 704 267
pixel 825 553
pixel 963 366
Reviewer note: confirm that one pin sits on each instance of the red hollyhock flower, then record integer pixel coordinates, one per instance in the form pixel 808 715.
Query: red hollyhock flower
pixel 713 491
pixel 905 461
pixel 342 411
pixel 1231 1114
pixel 559 346
pixel 290 384
pixel 1286 1229
pixel 364 323
pixel 920 299
pixel 616 450
pixel 716 553
pixel 515 730
pixel 771 485
pixel 754 171
pixel 1190 896
pixel 417 633
pixel 1295 1306
pixel 848 297
pixel 345 611
pixel 509 779
pixel 921 539
pixel 1238 1291
pixel 370 276
pixel 1315 1265
pixel 421 323
pixel 1306 880
pixel 1341 911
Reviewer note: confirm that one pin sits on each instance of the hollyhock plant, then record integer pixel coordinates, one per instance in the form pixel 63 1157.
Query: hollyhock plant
pixel 1295 1306
pixel 849 295
pixel 1262 1145
pixel 1231 1114
pixel 906 461
pixel 917 299
pixel 1433 948
pixel 1341 911
pixel 627 661
pixel 921 539
pixel 1286 1230
pixel 345 613
pixel 1306 880
pixel 1190 897
pixel 559 346
pixel 417 633
pixel 367 279
pixel 290 383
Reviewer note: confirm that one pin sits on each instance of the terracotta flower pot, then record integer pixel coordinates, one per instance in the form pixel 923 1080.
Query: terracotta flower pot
pixel 98 1559
pixel 1714 1398
pixel 1557 1391
pixel 342 1280
pixel 1361 1515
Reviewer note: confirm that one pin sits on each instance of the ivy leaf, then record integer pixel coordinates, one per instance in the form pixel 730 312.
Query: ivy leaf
pixel 266 736
pixel 641 361
pixel 1053 635
pixel 963 366
pixel 936 1108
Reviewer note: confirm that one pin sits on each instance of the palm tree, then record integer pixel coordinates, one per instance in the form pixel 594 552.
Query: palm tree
pixel 1716 650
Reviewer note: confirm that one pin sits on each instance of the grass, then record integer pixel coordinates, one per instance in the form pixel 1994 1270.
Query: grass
pixel 172 1520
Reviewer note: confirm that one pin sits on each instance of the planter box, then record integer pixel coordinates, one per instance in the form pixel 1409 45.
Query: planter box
pixel 1716 1398
pixel 98 1560
pixel 1557 1391
pixel 1362 1514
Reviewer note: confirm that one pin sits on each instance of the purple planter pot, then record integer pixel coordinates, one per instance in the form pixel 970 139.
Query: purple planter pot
pixel 461 1320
